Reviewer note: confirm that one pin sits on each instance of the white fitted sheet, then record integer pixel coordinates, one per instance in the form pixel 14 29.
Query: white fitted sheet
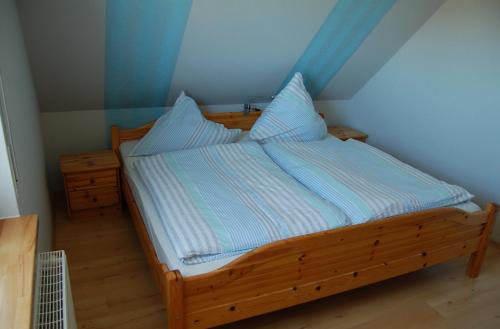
pixel 159 238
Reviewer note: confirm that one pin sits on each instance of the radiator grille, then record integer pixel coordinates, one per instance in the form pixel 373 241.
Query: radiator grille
pixel 51 289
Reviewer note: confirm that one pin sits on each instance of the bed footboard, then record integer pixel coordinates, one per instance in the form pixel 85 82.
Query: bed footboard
pixel 301 269
pixel 305 268
pixel 477 257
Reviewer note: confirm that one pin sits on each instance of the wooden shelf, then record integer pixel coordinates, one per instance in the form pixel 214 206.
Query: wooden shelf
pixel 18 237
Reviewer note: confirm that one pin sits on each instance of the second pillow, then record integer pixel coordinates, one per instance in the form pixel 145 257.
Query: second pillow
pixel 290 117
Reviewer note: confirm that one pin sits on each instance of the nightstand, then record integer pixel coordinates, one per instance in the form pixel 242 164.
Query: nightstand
pixel 345 133
pixel 92 183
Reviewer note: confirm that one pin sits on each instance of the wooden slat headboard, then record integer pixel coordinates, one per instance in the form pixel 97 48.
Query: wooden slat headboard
pixel 232 120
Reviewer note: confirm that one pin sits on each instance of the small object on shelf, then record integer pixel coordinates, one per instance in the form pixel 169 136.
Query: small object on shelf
pixel 345 133
pixel 92 183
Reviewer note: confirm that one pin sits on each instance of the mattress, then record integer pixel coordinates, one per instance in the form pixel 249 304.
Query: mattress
pixel 159 237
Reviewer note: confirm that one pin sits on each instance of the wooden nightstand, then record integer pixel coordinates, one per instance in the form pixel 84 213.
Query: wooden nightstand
pixel 345 133
pixel 92 183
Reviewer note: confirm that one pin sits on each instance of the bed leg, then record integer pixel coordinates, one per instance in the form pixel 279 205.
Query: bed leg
pixel 115 140
pixel 173 296
pixel 477 258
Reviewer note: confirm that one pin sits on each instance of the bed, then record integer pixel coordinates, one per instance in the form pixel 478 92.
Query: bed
pixel 303 268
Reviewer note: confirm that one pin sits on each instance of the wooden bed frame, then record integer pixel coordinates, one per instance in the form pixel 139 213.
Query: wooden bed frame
pixel 309 267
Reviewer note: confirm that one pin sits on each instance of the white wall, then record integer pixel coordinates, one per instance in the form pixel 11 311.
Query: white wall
pixel 69 133
pixel 436 103
pixel 24 119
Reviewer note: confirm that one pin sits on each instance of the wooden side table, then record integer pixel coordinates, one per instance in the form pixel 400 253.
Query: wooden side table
pixel 345 133
pixel 92 183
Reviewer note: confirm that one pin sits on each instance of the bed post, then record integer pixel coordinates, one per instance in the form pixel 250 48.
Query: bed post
pixel 115 139
pixel 173 295
pixel 477 258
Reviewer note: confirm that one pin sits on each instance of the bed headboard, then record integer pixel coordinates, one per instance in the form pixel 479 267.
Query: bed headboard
pixel 230 120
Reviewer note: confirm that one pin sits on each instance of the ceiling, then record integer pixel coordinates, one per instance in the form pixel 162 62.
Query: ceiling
pixel 97 54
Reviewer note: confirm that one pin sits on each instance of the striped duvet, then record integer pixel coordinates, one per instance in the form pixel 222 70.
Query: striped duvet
pixel 222 200
pixel 363 181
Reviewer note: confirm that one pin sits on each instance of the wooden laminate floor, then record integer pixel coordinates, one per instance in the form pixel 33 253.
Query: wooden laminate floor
pixel 113 288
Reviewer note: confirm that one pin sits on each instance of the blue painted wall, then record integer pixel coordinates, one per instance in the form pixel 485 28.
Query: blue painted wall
pixel 436 103
pixel 143 39
pixel 343 31
pixel 112 54
pixel 234 50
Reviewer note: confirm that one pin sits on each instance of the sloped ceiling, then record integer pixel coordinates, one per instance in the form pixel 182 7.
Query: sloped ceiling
pixel 243 49
pixel 227 51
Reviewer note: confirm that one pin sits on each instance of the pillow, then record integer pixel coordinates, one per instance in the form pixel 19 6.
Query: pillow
pixel 290 117
pixel 183 127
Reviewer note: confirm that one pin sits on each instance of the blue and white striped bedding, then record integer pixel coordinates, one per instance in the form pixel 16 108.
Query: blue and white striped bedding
pixel 222 200
pixel 363 181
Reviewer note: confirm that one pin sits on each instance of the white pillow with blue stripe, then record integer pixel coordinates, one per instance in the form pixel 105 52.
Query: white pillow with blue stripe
pixel 291 116
pixel 183 127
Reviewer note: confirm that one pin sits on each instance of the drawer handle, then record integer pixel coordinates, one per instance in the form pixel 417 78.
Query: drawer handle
pixel 94 199
pixel 92 181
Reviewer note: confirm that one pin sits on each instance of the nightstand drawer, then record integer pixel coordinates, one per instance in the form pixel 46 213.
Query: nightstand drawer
pixel 91 179
pixel 93 198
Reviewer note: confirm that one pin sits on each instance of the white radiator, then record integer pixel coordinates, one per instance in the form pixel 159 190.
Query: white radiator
pixel 53 308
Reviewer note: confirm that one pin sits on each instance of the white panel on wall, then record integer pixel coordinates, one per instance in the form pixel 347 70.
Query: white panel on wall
pixel 236 49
